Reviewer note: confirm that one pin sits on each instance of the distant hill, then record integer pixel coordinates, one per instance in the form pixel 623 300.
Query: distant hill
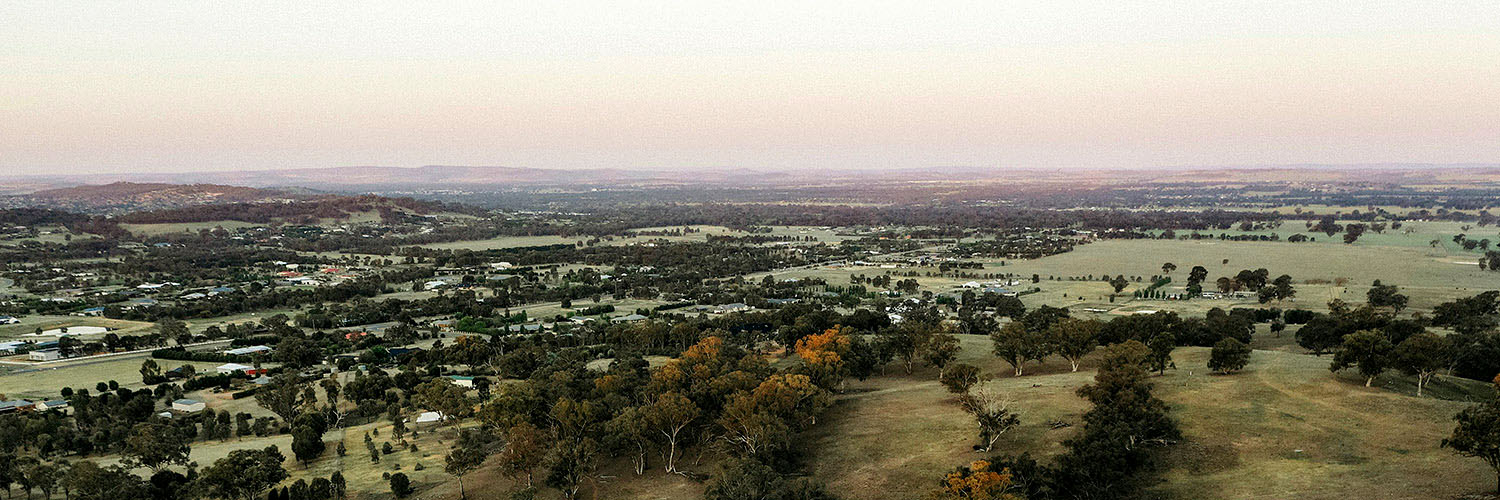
pixel 137 196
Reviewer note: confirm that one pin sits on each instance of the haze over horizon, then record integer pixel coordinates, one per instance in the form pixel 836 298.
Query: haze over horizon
pixel 162 87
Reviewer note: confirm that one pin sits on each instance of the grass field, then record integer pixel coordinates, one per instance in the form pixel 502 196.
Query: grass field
pixel 29 324
pixel 1284 428
pixel 44 383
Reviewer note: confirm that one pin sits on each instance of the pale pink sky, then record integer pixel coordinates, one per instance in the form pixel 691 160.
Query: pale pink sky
pixel 175 86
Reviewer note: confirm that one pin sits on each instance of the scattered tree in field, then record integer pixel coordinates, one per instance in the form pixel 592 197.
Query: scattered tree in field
pixel 155 446
pixel 1381 295
pixel 282 396
pixel 400 485
pixel 243 474
pixel 1478 434
pixel 1119 432
pixel 175 330
pixel 1422 355
pixel 1195 280
pixel 960 378
pixel 1017 344
pixel 941 349
pixel 150 371
pixel 1074 338
pixel 1168 267
pixel 908 341
pixel 992 411
pixel 472 448
pixel 307 443
pixel 1119 283
pixel 1228 355
pixel 1368 350
pixel 1159 354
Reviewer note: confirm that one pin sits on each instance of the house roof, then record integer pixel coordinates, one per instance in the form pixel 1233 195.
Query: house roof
pixel 248 350
pixel 186 402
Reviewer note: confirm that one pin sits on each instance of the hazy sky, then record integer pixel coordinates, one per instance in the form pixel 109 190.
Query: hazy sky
pixel 172 86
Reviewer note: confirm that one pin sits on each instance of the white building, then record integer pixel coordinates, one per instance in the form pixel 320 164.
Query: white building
pixel 246 351
pixel 228 368
pixel 46 355
pixel 188 406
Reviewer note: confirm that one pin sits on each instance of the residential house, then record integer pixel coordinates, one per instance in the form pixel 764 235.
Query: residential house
pixel 462 381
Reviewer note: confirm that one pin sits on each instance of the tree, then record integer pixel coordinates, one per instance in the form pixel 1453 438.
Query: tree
pixel 1195 280
pixel 243 474
pixel 174 329
pixel 282 396
pixel 629 430
pixel 472 448
pixel 1368 350
pixel 1125 423
pixel 400 485
pixel 1017 344
pixel 443 396
pixel 307 443
pixel 1168 267
pixel 1228 355
pixel 42 476
pixel 668 415
pixel 1422 355
pixel 907 342
pixel 525 448
pixel 1159 354
pixel 1074 338
pixel 992 411
pixel 154 446
pixel 823 354
pixel 570 463
pixel 1478 434
pixel 297 352
pixel 960 378
pixel 941 349
pixel 86 480
pixel 1386 296
pixel 740 479
pixel 150 371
